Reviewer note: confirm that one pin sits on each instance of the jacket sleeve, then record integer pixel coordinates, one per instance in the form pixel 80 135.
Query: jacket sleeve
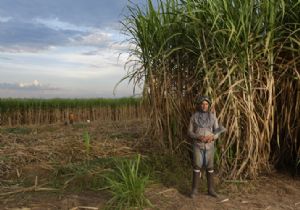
pixel 191 132
pixel 215 127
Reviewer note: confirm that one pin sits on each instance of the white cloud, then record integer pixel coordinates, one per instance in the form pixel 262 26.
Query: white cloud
pixel 91 36
pixel 96 37
pixel 67 65
pixel 5 19
pixel 56 24
pixel 35 83
pixel 32 86
pixel 125 46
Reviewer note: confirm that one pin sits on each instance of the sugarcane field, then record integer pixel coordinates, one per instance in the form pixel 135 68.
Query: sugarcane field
pixel 63 165
pixel 150 104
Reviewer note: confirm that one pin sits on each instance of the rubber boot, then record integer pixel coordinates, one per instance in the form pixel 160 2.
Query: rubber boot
pixel 210 184
pixel 196 176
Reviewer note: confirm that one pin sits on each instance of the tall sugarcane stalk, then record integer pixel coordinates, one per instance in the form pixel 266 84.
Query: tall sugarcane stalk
pixel 235 52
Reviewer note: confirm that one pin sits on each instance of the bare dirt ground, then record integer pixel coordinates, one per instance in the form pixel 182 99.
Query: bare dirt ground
pixel 30 155
pixel 273 193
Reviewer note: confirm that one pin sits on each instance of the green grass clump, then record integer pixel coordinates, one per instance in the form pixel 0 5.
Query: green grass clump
pixel 86 141
pixel 127 185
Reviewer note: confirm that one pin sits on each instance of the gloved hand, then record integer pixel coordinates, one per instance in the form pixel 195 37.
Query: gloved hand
pixel 206 139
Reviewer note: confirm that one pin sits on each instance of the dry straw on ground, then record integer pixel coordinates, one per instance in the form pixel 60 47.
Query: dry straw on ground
pixel 37 154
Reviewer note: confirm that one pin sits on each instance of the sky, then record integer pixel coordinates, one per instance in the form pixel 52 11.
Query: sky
pixel 63 48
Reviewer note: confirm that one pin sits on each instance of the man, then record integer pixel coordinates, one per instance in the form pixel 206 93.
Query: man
pixel 204 130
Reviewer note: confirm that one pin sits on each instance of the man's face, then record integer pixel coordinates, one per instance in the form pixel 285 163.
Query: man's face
pixel 204 106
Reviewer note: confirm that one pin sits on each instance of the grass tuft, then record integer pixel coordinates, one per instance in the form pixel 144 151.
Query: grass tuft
pixel 127 185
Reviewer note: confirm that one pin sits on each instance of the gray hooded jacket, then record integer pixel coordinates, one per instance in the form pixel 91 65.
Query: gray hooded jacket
pixel 203 124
